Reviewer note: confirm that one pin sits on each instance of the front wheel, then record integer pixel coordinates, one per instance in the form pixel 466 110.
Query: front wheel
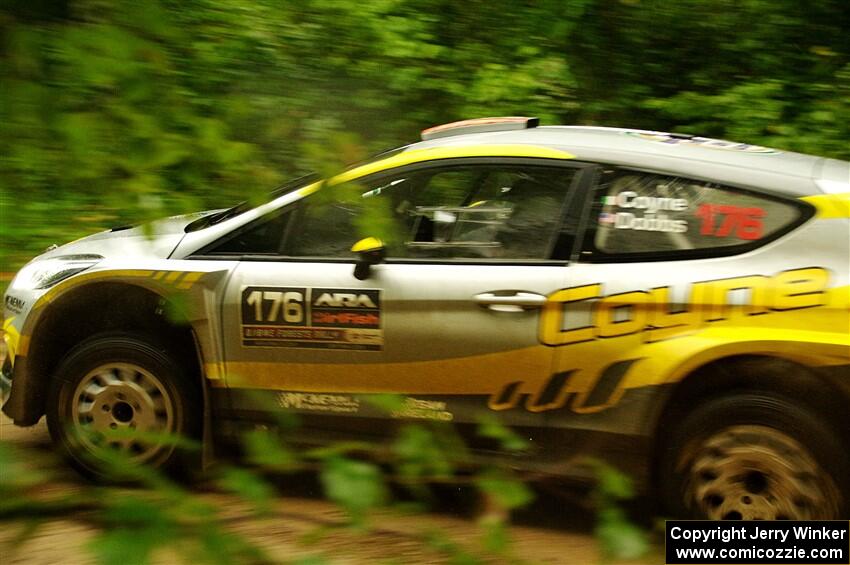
pixel 755 456
pixel 121 393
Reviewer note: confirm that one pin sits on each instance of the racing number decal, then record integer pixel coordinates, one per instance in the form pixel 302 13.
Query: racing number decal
pixel 316 318
pixel 276 305
pixel 720 220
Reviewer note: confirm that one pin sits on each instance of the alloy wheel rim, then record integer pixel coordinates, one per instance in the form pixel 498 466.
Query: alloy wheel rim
pixel 750 472
pixel 124 407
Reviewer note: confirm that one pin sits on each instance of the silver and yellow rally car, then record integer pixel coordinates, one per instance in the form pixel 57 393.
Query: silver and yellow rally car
pixel 676 305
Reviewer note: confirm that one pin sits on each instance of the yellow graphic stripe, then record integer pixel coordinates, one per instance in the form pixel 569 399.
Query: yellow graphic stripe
pixel 51 294
pixel 309 189
pixel 663 362
pixel 189 280
pixel 433 153
pixel 214 371
pixel 818 336
pixel 449 152
pixel 170 277
pixel 830 206
pixel 12 339
pixel 479 374
pixel 180 279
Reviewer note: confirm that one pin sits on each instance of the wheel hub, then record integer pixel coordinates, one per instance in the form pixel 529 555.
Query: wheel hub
pixel 752 472
pixel 115 400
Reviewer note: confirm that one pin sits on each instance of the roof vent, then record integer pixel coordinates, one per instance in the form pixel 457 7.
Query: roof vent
pixel 480 125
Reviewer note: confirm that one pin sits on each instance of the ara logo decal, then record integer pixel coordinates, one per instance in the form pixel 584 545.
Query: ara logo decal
pixel 343 299
pixel 315 318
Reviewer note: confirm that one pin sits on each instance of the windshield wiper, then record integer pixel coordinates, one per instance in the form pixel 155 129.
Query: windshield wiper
pixel 215 218
pixel 218 217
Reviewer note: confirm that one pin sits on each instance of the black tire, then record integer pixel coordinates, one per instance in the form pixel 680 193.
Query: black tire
pixel 122 382
pixel 754 455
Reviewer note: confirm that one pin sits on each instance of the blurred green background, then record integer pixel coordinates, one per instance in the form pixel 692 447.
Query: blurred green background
pixel 118 111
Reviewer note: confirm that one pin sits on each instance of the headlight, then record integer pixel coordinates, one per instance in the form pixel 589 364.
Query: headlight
pixel 47 272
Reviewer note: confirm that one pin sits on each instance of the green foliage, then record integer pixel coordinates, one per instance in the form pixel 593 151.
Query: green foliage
pixel 250 487
pixel 420 455
pixel 387 403
pixel 505 490
pixel 357 486
pixel 133 528
pixel 166 519
pixel 117 111
pixel 490 427
pixel 619 538
pixel 264 449
pixel 444 544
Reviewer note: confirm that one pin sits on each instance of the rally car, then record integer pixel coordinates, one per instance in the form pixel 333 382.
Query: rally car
pixel 675 305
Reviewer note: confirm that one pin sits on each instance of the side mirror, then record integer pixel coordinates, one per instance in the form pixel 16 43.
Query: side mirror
pixel 370 251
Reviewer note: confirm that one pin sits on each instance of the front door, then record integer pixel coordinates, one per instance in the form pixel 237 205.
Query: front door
pixel 450 321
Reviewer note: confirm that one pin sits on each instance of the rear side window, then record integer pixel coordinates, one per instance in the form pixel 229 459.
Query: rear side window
pixel 643 216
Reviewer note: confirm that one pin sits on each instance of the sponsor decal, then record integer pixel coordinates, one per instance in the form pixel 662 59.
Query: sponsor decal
pixel 14 304
pixel 652 204
pixel 415 408
pixel 649 206
pixel 694 141
pixel 629 221
pixel 337 403
pixel 716 220
pixel 316 318
pixel 646 312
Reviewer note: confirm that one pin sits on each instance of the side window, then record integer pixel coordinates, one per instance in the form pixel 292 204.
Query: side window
pixel 261 237
pixel 473 212
pixel 643 213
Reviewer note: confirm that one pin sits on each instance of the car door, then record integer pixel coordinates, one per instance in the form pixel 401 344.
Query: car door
pixel 449 320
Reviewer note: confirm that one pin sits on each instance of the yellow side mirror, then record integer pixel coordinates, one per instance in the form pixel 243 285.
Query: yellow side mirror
pixel 367 244
pixel 371 251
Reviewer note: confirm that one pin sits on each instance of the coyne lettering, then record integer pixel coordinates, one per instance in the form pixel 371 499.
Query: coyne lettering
pixel 652 204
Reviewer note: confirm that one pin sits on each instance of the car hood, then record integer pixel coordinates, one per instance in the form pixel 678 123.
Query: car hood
pixel 153 239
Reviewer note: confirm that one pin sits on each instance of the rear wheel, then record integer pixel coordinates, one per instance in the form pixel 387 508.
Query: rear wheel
pixel 121 393
pixel 754 456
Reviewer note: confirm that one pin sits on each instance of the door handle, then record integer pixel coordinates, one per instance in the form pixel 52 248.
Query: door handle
pixel 510 301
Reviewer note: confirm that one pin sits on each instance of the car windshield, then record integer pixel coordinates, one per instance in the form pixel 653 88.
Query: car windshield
pixel 244 206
